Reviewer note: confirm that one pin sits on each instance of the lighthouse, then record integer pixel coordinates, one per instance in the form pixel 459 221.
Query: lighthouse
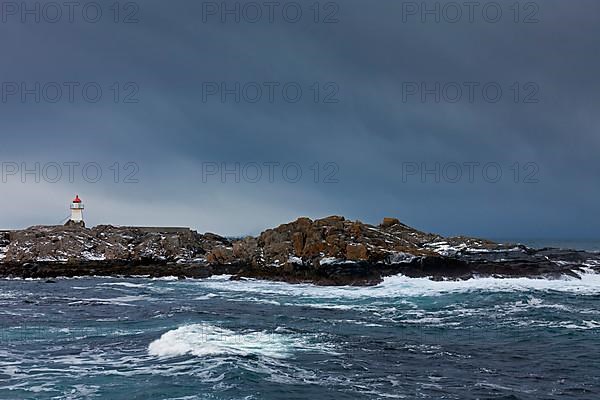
pixel 76 211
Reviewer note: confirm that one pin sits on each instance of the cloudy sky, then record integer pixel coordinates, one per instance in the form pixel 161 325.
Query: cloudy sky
pixel 234 117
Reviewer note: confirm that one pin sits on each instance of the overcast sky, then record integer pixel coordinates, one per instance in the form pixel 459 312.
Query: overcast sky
pixel 400 114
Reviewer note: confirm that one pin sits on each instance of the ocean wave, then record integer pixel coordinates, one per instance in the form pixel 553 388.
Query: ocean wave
pixel 118 301
pixel 205 340
pixel 124 284
pixel 576 325
pixel 589 284
pixel 400 286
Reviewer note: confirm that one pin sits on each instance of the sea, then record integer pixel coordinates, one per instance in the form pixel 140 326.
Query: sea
pixel 142 338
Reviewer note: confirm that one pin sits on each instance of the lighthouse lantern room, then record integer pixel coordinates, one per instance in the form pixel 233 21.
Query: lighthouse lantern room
pixel 77 210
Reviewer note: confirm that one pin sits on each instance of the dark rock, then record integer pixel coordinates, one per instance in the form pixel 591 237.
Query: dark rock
pixel 328 251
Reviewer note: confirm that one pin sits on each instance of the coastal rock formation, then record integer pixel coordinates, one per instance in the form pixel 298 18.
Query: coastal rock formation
pixel 329 251
pixel 335 251
pixel 335 240
pixel 106 243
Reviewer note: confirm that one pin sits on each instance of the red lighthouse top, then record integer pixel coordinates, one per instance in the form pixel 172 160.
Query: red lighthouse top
pixel 77 199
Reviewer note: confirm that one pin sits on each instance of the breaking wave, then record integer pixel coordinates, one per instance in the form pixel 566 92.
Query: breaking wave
pixel 103 337
pixel 403 286
pixel 204 339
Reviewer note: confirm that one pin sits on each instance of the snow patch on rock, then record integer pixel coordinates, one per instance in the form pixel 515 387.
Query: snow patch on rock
pixel 399 257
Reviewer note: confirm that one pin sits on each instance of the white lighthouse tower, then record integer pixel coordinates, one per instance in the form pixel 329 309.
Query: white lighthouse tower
pixel 76 211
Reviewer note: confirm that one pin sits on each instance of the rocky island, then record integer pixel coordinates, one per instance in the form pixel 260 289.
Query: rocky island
pixel 329 251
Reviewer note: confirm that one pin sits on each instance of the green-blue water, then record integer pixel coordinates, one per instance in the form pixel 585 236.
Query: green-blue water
pixel 219 339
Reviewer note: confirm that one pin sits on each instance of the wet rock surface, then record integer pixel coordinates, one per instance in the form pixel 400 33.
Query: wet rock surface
pixel 329 251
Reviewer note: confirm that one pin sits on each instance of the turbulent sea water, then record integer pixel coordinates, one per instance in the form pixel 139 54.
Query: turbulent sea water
pixel 142 338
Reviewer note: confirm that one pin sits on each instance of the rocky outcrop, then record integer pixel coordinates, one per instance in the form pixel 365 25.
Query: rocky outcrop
pixel 335 251
pixel 329 251
pixel 76 244
pixel 335 240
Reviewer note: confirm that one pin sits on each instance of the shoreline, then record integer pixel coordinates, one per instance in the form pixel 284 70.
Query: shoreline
pixel 327 252
pixel 355 274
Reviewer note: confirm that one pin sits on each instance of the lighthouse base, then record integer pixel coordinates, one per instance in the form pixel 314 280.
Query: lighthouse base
pixel 75 224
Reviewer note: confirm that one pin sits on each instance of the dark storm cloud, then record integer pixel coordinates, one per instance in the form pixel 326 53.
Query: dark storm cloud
pixel 373 133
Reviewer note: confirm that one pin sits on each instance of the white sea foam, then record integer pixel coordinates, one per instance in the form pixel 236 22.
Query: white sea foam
pixel 400 286
pixel 203 340
pixel 166 278
pixel 124 284
pixel 206 296
pixel 82 391
pixel 120 301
